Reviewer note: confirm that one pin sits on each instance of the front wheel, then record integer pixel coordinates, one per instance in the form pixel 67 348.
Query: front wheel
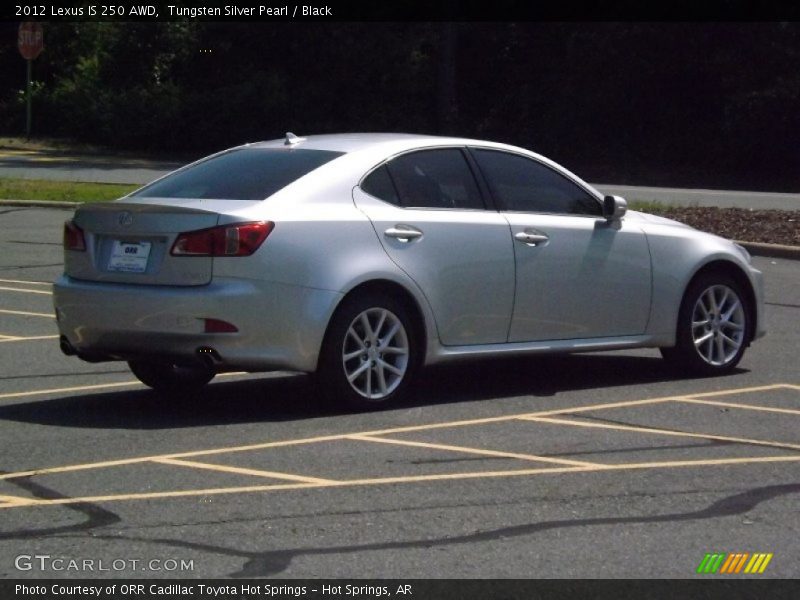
pixel 713 327
pixel 167 377
pixel 369 355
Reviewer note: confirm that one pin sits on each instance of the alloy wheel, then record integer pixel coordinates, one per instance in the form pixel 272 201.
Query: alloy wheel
pixel 375 353
pixel 718 325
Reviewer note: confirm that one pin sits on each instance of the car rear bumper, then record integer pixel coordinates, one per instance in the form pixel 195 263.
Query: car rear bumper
pixel 279 326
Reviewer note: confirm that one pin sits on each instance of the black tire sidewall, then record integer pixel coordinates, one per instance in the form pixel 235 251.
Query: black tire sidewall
pixel 165 377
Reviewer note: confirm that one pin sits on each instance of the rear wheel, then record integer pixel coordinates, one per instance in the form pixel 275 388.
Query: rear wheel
pixel 167 377
pixel 369 355
pixel 713 326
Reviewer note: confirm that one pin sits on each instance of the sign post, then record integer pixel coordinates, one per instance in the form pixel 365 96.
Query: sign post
pixel 30 41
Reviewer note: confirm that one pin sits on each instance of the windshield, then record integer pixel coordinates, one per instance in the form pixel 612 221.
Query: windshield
pixel 242 174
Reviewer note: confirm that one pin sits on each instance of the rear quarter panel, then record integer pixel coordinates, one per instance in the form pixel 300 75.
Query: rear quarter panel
pixel 321 245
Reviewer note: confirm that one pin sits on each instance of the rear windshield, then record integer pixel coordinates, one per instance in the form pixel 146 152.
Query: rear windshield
pixel 243 174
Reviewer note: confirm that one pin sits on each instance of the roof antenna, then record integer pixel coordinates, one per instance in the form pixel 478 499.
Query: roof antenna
pixel 292 139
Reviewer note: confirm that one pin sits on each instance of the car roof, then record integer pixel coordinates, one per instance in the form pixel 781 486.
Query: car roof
pixel 355 142
pixel 363 151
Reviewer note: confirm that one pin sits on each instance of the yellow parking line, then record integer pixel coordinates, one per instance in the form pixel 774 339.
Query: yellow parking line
pixel 25 282
pixel 8 337
pixel 181 455
pixel 85 388
pixel 262 445
pixel 323 438
pixel 13 499
pixel 193 453
pixel 278 444
pixel 77 388
pixel 744 390
pixel 18 152
pixel 486 420
pixel 26 314
pixel 189 454
pixel 29 339
pixel 479 451
pixel 294 486
pixel 401 480
pixel 171 494
pixel 706 436
pixel 570 410
pixel 711 462
pixel 788 411
pixel 240 470
pixel 80 467
pixel 10 289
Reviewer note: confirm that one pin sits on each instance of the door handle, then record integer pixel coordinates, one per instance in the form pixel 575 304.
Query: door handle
pixel 532 239
pixel 403 233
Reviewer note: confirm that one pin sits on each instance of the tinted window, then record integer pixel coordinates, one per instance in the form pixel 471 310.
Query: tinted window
pixel 435 179
pixel 522 184
pixel 246 174
pixel 379 184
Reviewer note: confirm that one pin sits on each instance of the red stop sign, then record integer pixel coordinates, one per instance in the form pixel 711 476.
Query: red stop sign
pixel 30 39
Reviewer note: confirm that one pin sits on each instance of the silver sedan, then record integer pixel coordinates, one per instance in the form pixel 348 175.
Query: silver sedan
pixel 361 258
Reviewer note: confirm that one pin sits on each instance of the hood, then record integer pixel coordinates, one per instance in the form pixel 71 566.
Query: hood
pixel 641 217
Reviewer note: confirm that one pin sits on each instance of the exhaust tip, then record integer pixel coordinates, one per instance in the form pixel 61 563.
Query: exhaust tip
pixel 208 356
pixel 66 347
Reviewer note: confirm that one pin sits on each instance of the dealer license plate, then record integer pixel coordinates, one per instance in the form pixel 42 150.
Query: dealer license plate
pixel 129 257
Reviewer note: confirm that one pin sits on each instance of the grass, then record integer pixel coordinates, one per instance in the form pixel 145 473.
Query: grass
pixel 51 144
pixel 648 206
pixel 61 191
pixel 66 146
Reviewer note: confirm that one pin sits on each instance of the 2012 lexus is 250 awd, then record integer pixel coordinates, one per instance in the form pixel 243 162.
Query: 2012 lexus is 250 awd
pixel 363 257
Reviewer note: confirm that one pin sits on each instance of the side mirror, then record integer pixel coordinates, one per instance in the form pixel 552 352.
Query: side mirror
pixel 614 207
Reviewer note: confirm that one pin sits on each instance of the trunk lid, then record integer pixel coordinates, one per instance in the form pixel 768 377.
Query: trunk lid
pixel 130 242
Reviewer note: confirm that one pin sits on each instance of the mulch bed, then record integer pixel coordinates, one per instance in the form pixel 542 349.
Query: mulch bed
pixel 764 226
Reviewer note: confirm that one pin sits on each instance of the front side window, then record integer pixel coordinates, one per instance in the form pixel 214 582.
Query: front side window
pixel 243 174
pixel 438 178
pixel 523 184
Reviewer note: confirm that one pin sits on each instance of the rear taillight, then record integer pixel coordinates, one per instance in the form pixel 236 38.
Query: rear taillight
pixel 238 239
pixel 73 237
pixel 218 326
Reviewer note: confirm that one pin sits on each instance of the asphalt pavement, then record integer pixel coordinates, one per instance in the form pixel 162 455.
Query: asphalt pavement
pixel 600 465
pixel 56 166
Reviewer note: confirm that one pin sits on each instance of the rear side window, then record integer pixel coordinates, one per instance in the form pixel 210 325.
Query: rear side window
pixel 244 174
pixel 435 179
pixel 523 184
pixel 379 184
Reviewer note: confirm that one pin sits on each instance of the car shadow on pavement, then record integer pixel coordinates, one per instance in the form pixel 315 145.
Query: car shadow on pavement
pixel 294 397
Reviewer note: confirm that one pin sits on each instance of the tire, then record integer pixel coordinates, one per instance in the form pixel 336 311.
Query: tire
pixel 714 326
pixel 166 377
pixel 370 353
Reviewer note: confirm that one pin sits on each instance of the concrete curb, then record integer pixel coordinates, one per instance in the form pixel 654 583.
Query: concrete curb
pixel 771 250
pixel 754 248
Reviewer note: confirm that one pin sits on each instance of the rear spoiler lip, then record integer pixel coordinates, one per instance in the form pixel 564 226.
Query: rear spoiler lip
pixel 169 205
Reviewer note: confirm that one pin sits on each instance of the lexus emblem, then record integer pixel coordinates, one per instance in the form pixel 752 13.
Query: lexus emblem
pixel 125 219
